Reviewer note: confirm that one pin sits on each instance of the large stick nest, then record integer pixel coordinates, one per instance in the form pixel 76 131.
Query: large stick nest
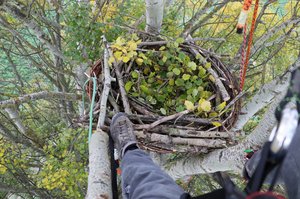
pixel 180 132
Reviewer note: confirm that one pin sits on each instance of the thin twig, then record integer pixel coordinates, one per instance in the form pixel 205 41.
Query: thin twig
pixel 162 120
pixel 122 90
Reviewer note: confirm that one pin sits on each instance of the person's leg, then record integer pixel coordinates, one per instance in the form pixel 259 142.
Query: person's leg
pixel 141 178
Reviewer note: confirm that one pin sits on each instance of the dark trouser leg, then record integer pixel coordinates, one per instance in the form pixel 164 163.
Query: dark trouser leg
pixel 142 178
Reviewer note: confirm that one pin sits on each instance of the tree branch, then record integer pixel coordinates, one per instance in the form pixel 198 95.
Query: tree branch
pixel 46 95
pixel 106 87
pixel 263 98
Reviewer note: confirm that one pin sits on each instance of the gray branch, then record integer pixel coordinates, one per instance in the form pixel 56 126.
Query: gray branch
pixel 46 95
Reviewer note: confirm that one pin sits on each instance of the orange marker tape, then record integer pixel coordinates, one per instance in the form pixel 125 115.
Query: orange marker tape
pixel 243 16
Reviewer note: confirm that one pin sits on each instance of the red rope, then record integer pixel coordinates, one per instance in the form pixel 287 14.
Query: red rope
pixel 243 53
pixel 242 80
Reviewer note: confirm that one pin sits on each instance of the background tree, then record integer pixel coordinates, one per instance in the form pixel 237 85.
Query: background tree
pixel 47 46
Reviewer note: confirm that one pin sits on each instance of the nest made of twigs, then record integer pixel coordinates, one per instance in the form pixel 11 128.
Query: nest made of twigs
pixel 177 132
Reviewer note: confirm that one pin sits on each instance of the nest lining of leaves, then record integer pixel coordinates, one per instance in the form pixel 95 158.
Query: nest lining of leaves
pixel 182 97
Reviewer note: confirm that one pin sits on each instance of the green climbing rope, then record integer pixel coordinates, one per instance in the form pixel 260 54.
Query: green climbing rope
pixel 92 104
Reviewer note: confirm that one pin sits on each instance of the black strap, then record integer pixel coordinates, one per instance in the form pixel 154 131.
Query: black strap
pixel 292 92
pixel 265 166
pixel 113 167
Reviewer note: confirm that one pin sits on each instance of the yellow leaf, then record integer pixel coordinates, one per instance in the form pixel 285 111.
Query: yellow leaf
pixel 217 124
pixel 124 51
pixel 139 61
pixel 132 46
pixel 139 41
pixel 221 106
pixel 131 54
pixel 162 48
pixel 118 47
pixel 211 78
pixel 125 59
pixel 118 55
pixel 189 105
pixel 120 41
pixel 205 105
pixel 142 55
pixel 2 169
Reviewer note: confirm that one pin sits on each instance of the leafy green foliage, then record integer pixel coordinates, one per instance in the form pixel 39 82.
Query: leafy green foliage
pixel 168 78
pixel 64 168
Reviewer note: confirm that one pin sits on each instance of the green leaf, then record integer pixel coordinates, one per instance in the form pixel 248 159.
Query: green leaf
pixel 164 59
pixel 179 82
pixel 128 86
pixel 176 44
pixel 170 74
pixel 192 65
pixel 217 124
pixel 213 114
pixel 186 77
pixel 195 92
pixel 145 89
pixel 171 82
pixel 221 106
pixel 180 40
pixel 135 74
pixel 176 71
pixel 202 71
pixel 189 105
pixel 181 56
pixel 163 111
pixel 179 108
pixel 208 65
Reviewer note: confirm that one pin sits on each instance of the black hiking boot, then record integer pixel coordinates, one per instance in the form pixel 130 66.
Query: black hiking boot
pixel 121 130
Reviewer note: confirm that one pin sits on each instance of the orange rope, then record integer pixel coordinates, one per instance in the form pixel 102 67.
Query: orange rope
pixel 243 51
pixel 243 75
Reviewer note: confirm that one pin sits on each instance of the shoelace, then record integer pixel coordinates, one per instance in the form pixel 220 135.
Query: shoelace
pixel 123 128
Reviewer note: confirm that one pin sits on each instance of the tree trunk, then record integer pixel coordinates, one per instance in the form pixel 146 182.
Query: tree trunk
pixel 99 185
pixel 154 15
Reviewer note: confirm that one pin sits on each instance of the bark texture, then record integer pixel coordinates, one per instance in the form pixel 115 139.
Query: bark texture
pixel 99 167
pixel 154 15
pixel 232 158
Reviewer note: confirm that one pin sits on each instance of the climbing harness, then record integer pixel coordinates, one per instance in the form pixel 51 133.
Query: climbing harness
pixel 242 23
